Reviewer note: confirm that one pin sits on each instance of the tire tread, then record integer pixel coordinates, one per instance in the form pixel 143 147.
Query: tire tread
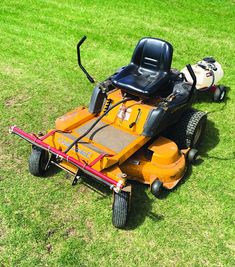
pixel 120 209
pixel 183 132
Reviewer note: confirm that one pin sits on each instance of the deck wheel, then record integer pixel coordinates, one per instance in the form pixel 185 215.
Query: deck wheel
pixel 192 155
pixel 156 188
pixel 120 209
pixel 38 161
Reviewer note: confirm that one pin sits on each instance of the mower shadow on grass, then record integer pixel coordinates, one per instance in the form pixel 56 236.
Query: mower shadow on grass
pixel 141 207
pixel 211 139
pixel 53 170
pixel 95 186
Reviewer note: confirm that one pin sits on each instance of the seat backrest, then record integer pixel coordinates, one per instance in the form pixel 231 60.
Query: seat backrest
pixel 153 54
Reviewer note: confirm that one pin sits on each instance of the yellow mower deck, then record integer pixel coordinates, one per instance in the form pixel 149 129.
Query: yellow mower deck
pixel 114 145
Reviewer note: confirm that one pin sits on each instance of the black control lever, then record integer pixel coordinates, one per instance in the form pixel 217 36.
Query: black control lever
pixel 91 80
pixel 191 72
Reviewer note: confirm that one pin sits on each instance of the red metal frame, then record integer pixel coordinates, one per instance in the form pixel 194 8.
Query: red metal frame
pixel 47 135
pixel 99 158
pixel 36 141
pixel 51 133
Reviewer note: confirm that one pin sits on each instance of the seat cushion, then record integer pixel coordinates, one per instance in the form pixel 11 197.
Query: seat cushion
pixel 140 82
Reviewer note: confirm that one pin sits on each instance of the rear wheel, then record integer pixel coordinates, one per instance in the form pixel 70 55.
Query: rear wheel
pixel 189 129
pixel 219 93
pixel 120 209
pixel 38 161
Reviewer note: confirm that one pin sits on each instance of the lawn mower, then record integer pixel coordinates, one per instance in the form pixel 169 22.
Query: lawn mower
pixel 208 73
pixel 139 126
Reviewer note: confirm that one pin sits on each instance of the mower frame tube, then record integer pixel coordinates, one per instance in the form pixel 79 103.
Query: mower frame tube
pixel 115 185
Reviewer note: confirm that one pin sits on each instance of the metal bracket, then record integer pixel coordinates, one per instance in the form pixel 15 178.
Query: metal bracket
pixel 77 177
pixel 49 161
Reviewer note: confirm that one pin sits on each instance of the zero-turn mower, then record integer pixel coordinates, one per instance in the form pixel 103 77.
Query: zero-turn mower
pixel 139 126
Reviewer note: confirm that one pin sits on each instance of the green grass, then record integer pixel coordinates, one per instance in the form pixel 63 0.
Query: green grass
pixel 46 222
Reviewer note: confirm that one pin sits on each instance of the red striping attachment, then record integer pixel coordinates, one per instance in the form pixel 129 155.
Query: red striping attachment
pixel 38 142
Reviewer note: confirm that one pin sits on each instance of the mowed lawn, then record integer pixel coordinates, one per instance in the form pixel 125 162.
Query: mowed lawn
pixel 46 221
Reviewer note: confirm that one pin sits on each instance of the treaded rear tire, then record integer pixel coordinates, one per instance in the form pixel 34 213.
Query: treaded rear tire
pixel 189 129
pixel 38 161
pixel 120 209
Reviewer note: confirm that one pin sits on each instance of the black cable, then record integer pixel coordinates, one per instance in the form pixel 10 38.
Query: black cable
pixel 94 124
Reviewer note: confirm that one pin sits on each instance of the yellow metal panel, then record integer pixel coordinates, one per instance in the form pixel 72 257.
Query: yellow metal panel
pixel 164 150
pixel 73 119
pixel 169 167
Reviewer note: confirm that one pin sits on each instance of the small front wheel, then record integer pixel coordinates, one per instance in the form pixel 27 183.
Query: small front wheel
pixel 156 188
pixel 38 161
pixel 192 155
pixel 120 209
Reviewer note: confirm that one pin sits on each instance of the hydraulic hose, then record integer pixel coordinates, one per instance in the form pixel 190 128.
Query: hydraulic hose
pixel 94 124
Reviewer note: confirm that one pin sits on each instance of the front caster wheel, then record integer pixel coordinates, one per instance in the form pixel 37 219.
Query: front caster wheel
pixel 38 161
pixel 120 209
pixel 219 93
pixel 156 188
pixel 192 155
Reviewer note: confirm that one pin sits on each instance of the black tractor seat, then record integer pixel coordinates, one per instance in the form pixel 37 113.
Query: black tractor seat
pixel 149 70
